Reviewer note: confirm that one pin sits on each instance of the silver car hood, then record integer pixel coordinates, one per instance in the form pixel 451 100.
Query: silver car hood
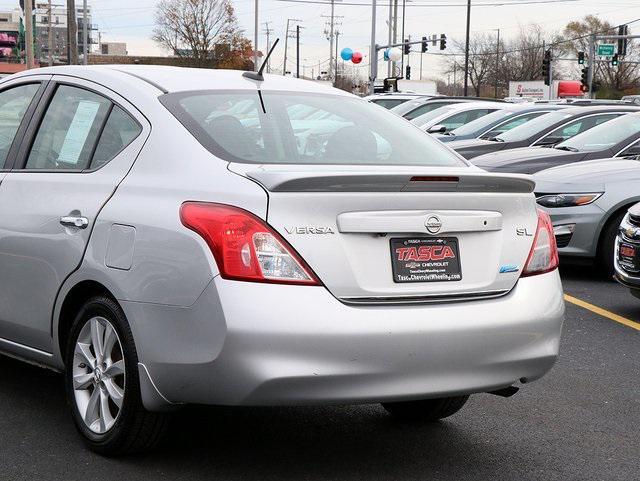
pixel 588 176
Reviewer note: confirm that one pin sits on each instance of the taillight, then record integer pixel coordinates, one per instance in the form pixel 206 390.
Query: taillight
pixel 544 252
pixel 244 246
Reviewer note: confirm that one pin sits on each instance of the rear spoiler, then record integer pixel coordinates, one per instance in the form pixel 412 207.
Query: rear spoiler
pixel 345 181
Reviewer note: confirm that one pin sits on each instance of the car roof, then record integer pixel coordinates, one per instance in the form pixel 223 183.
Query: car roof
pixel 596 109
pixel 179 79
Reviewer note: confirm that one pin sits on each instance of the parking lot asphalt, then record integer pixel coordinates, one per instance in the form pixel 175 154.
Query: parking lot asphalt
pixel 580 422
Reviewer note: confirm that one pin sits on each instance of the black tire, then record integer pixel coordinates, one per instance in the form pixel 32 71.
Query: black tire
pixel 426 409
pixel 607 244
pixel 135 429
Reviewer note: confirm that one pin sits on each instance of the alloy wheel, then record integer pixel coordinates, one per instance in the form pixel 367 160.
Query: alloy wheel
pixel 98 375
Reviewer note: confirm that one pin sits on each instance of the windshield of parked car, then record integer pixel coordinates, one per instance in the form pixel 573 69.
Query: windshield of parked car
pixel 531 128
pixel 604 136
pixel 434 114
pixel 482 123
pixel 302 128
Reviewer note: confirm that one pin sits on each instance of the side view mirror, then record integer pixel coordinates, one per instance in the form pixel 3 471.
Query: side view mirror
pixel 437 129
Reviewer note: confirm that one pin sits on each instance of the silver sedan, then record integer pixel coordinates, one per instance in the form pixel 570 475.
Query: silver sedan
pixel 173 236
pixel 587 201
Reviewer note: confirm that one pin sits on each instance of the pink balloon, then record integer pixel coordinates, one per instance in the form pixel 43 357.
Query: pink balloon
pixel 356 57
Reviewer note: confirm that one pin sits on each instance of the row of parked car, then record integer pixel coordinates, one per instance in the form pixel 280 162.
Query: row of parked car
pixel 583 155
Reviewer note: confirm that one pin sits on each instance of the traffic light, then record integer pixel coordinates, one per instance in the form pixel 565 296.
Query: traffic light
pixel 614 60
pixel 408 74
pixel 585 79
pixel 424 44
pixel 546 67
pixel 622 42
pixel 581 58
pixel 443 41
pixel 407 47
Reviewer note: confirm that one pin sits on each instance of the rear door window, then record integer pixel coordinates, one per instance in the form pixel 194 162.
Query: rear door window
pixel 14 103
pixel 69 130
pixel 80 130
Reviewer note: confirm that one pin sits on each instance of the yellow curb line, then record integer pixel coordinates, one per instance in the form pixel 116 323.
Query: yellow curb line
pixel 603 312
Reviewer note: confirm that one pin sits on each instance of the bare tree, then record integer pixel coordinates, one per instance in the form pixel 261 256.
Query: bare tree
pixel 482 56
pixel 194 28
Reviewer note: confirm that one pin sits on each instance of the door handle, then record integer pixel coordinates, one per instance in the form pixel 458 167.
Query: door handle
pixel 75 221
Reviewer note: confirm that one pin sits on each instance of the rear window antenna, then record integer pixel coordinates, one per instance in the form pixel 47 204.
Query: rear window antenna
pixel 258 75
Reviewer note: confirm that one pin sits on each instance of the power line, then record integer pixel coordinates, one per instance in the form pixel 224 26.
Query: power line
pixel 429 5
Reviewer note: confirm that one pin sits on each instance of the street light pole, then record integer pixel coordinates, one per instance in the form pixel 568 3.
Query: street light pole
pixel 466 50
pixel 28 24
pixel 255 39
pixel 373 51
pixel 85 33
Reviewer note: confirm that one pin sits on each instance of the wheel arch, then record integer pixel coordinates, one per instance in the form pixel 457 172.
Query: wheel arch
pixel 622 206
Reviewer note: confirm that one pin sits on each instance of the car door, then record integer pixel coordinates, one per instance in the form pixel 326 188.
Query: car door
pixel 79 145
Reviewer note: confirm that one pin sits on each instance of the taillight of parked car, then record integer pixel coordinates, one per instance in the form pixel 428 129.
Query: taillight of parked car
pixel 543 256
pixel 244 246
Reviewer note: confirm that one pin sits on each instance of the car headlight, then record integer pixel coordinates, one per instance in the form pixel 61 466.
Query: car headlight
pixel 567 200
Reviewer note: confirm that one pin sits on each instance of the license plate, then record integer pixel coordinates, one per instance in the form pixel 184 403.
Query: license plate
pixel 627 256
pixel 425 259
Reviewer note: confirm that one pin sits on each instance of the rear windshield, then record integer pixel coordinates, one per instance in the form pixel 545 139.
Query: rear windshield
pixel 533 127
pixel 293 128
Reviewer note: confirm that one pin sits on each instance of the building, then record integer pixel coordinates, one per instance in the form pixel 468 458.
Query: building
pixel 113 48
pixel 56 19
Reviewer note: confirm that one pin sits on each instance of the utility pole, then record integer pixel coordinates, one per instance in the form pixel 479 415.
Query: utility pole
pixel 395 34
pixel 267 31
pixel 85 34
pixel 592 62
pixel 255 39
pixel 50 33
pixel 466 50
pixel 497 61
pixel 72 33
pixel 330 31
pixel 28 25
pixel 336 56
pixel 390 40
pixel 373 51
pixel 404 8
pixel 298 51
pixel 286 37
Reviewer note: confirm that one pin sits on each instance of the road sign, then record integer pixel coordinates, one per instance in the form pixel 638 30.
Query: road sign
pixel 606 49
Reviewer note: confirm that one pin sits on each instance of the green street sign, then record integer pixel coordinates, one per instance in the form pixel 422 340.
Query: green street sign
pixel 606 49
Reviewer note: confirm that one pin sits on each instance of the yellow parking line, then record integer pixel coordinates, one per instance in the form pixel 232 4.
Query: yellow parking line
pixel 603 312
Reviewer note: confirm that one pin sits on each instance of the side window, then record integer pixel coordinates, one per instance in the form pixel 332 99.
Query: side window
pixel 580 125
pixel 118 132
pixel 424 109
pixel 462 118
pixel 14 102
pixel 69 130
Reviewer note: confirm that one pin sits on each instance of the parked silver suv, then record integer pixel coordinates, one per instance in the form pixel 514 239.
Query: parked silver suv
pixel 173 236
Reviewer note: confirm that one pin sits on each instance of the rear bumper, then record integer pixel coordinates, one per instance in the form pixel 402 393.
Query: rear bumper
pixel 261 344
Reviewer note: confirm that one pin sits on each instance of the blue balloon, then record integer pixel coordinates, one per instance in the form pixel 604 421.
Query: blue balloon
pixel 386 54
pixel 346 54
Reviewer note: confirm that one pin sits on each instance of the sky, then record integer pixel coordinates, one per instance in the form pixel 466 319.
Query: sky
pixel 132 22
